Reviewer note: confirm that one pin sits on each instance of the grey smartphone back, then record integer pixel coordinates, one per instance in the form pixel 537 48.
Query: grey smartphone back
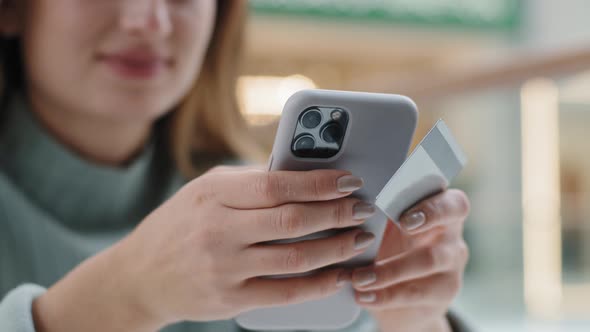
pixel 376 141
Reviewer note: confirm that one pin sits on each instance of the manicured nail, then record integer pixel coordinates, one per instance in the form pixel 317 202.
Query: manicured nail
pixel 367 297
pixel 364 278
pixel 349 183
pixel 363 240
pixel 344 277
pixel 363 210
pixel 413 220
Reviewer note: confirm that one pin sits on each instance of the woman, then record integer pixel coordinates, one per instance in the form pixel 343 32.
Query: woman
pixel 108 106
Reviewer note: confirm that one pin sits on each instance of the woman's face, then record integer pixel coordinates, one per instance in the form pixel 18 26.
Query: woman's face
pixel 120 59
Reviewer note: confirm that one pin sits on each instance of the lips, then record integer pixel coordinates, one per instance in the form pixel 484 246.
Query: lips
pixel 136 64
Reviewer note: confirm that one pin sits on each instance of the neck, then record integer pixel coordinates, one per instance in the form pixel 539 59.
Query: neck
pixel 99 139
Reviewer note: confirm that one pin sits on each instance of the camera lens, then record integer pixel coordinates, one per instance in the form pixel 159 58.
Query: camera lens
pixel 311 118
pixel 304 143
pixel 332 133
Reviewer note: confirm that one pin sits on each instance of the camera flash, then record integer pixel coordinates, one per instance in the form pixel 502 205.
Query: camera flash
pixel 336 115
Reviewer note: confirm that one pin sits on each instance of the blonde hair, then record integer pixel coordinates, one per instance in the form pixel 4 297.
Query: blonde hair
pixel 207 126
pixel 208 121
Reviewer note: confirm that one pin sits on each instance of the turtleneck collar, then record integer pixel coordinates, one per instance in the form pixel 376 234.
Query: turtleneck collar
pixel 78 193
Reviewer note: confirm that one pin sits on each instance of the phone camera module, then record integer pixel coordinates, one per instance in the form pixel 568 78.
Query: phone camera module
pixel 319 132
pixel 311 118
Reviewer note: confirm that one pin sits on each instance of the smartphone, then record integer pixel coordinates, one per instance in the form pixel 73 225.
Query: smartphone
pixel 368 134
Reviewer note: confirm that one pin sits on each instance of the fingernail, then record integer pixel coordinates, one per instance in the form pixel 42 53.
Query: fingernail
pixel 344 277
pixel 367 297
pixel 349 183
pixel 362 210
pixel 363 240
pixel 413 220
pixel 364 278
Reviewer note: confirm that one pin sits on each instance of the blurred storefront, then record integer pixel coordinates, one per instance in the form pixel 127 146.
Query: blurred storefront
pixel 512 79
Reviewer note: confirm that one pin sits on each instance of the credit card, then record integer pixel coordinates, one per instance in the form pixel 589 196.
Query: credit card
pixel 428 170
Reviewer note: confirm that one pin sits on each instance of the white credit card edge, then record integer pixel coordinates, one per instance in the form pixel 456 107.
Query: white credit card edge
pixel 391 179
pixel 450 138
pixel 421 176
pixel 410 156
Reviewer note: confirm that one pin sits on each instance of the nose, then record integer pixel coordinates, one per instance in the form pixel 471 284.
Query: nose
pixel 145 17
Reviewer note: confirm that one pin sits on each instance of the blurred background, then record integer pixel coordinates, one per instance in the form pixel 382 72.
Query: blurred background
pixel 512 80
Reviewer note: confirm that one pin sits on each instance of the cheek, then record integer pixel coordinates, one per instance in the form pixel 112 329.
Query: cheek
pixel 192 38
pixel 62 32
pixel 58 46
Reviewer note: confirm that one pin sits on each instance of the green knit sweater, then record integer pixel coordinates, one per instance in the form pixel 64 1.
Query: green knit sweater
pixel 57 209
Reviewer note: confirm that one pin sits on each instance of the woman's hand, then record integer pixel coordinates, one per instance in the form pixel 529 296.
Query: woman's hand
pixel 419 267
pixel 199 256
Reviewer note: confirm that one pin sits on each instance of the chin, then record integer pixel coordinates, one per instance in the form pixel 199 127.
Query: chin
pixel 144 107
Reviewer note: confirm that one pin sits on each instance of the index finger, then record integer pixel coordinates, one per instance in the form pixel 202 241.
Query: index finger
pixel 260 189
